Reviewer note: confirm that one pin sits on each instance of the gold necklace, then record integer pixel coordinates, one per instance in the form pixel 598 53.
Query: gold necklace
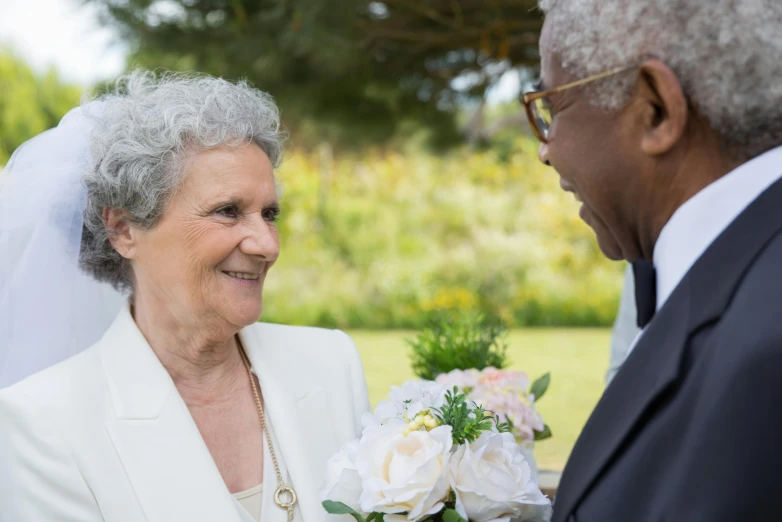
pixel 282 489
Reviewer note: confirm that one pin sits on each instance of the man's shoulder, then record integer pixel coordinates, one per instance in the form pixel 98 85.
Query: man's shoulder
pixel 760 289
pixel 750 329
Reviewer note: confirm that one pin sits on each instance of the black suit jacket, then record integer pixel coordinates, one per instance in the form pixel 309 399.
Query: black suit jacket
pixel 690 429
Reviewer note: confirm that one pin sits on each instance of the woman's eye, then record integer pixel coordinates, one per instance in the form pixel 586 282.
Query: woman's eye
pixel 229 211
pixel 271 215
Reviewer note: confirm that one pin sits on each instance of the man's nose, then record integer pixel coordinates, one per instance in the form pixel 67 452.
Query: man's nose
pixel 543 154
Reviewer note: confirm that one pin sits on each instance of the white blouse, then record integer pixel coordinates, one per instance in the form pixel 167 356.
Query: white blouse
pixel 251 500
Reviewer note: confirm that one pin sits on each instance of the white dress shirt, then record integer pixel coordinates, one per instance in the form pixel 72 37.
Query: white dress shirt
pixel 701 220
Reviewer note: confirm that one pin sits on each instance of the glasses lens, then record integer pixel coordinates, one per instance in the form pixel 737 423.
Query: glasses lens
pixel 542 115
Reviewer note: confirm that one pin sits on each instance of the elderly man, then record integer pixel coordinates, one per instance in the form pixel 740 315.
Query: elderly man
pixel 664 117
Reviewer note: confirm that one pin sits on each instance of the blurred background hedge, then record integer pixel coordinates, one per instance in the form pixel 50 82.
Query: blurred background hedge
pixel 379 240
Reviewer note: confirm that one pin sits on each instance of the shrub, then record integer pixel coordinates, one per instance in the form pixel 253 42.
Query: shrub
pixel 458 342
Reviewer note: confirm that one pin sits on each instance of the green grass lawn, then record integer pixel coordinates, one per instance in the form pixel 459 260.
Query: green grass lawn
pixel 576 358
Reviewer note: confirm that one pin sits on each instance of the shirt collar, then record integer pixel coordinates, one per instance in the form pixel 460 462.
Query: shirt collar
pixel 700 220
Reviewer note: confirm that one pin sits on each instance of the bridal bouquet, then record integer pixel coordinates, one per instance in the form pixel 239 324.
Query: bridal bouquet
pixel 431 454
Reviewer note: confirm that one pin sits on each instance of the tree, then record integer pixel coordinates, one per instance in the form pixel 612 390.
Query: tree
pixel 359 70
pixel 29 103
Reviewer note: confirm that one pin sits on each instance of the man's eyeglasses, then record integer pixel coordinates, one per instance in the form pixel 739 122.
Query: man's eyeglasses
pixel 539 109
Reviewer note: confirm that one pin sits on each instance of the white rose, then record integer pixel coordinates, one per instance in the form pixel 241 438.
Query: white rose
pixel 493 482
pixel 343 483
pixel 404 474
pixel 527 448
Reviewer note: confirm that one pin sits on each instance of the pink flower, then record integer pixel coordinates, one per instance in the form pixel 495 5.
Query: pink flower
pixel 505 392
pixel 492 376
pixel 465 380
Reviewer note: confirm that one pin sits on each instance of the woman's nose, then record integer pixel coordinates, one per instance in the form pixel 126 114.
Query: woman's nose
pixel 262 240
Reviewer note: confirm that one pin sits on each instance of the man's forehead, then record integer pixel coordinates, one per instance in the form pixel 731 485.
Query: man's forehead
pixel 546 51
pixel 552 72
pixel 546 34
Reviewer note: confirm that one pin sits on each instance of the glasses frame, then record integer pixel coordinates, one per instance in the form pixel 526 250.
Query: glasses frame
pixel 529 97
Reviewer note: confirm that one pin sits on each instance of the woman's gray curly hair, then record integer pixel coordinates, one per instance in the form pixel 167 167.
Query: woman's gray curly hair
pixel 147 127
pixel 726 53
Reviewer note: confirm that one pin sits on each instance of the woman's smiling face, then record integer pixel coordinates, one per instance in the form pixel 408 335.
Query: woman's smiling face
pixel 209 254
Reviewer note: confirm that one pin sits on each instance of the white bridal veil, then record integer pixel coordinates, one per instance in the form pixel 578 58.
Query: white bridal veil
pixel 49 309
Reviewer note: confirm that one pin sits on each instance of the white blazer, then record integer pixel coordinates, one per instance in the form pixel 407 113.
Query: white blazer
pixel 106 436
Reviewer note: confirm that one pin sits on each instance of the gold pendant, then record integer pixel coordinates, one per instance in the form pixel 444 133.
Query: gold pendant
pixel 281 490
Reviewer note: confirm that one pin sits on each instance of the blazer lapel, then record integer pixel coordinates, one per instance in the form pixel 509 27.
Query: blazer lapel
pixel 299 419
pixel 651 368
pixel 168 464
pixel 654 364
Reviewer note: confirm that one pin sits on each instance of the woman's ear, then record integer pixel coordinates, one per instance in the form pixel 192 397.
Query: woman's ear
pixel 122 234
pixel 665 112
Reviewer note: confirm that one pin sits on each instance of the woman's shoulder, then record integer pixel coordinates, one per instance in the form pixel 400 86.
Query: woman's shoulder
pixel 55 390
pixel 306 341
pixel 315 359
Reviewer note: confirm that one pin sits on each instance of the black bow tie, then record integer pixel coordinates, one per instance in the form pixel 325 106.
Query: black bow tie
pixel 645 291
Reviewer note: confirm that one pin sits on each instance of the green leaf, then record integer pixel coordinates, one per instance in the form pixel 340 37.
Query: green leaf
pixel 451 515
pixel 540 386
pixel 466 418
pixel 340 508
pixel 543 435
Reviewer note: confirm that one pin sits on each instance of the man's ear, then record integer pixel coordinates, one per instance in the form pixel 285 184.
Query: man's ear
pixel 665 110
pixel 122 234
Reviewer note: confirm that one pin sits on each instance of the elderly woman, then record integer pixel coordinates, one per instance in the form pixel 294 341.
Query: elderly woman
pixel 186 408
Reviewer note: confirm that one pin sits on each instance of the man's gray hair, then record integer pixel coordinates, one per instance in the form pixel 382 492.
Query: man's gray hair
pixel 727 55
pixel 147 127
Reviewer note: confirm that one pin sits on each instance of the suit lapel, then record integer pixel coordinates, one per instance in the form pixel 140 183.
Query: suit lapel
pixel 650 369
pixel 654 364
pixel 298 416
pixel 166 460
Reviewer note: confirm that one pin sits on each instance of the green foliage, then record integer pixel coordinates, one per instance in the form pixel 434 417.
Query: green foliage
pixel 376 517
pixel 458 342
pixel 466 418
pixel 543 435
pixel 353 71
pixel 539 387
pixel 386 239
pixel 451 515
pixel 340 508
pixel 29 103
